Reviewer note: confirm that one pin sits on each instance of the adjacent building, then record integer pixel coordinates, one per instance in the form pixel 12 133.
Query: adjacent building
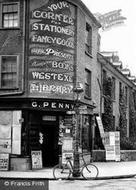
pixel 117 97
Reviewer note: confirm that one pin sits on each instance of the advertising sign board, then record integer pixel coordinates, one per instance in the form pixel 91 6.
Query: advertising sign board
pixel 51 48
pixel 112 145
pixel 36 159
pixel 4 161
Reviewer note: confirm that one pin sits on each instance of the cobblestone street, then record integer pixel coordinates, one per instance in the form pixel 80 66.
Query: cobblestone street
pixel 112 184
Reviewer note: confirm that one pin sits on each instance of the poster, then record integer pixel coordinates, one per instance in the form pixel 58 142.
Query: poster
pixel 4 161
pixel 5 138
pixel 67 144
pixel 112 145
pixel 36 159
pixel 66 155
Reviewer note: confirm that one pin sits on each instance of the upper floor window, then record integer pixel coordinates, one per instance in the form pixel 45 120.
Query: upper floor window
pixel 104 79
pixel 9 72
pixel 88 83
pixel 126 95
pixel 10 15
pixel 88 39
pixel 120 90
pixel 113 88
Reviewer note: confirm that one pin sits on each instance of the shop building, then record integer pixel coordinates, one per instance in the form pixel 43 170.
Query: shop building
pixel 46 49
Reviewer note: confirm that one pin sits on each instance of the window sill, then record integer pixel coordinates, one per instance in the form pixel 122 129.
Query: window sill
pixel 16 88
pixel 88 54
pixel 87 97
pixel 12 28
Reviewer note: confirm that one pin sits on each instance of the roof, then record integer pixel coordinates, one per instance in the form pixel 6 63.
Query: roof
pixel 105 61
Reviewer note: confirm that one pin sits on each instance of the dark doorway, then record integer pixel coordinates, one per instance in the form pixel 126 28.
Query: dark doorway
pixel 43 135
pixel 49 146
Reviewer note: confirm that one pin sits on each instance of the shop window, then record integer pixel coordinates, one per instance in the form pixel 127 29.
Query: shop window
pixel 87 83
pixel 10 132
pixel 10 15
pixel 9 72
pixel 88 39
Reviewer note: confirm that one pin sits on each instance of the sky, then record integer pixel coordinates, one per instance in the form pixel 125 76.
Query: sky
pixel 120 38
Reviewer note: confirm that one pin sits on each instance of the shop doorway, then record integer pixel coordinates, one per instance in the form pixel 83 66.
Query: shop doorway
pixel 44 135
pixel 49 145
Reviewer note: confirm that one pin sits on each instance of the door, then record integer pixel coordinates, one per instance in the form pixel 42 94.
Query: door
pixel 49 146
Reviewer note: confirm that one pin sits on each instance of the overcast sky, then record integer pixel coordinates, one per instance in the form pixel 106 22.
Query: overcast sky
pixel 121 38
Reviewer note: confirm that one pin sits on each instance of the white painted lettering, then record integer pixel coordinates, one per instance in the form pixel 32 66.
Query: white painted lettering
pixel 59 5
pixel 34 104
pixel 50 51
pixel 53 16
pixel 61 105
pixel 53 105
pixel 45 88
pixel 53 40
pixel 45 104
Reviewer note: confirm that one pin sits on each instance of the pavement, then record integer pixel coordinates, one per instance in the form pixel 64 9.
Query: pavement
pixel 107 170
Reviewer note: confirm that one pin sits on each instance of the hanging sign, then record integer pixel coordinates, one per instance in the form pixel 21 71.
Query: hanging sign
pixel 110 19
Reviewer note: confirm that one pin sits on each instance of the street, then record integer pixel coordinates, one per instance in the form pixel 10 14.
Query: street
pixel 112 184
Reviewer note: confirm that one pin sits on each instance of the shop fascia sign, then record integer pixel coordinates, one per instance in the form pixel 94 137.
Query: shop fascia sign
pixel 110 19
pixel 53 105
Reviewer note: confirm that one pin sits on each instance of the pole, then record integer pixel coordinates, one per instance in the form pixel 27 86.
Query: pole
pixel 76 166
pixel 93 136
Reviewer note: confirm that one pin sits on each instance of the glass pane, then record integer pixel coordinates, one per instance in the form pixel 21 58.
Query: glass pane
pixel 10 8
pixel 5 16
pixel 6 24
pixel 11 16
pixel 15 7
pixel 5 8
pixel 15 15
pixel 8 80
pixel 11 23
pixel 15 23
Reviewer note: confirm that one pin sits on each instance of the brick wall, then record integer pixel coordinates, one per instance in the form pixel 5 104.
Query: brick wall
pixel 88 61
pixel 11 41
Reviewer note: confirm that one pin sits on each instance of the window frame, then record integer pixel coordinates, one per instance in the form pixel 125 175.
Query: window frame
pixel 88 39
pixel 17 72
pixel 88 83
pixel 2 19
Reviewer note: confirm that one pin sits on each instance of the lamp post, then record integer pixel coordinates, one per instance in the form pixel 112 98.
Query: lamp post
pixel 76 167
